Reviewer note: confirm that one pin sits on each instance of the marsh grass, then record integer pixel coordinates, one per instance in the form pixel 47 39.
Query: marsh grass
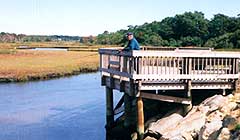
pixel 230 50
pixel 32 65
pixel 70 44
pixel 8 51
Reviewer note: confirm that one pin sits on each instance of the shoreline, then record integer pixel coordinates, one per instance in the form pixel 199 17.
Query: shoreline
pixel 49 76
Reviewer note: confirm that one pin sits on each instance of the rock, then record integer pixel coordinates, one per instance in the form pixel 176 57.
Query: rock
pixel 236 135
pixel 134 136
pixel 210 130
pixel 224 134
pixel 187 136
pixel 177 137
pixel 215 118
pixel 237 97
pixel 203 109
pixel 235 113
pixel 230 122
pixel 230 97
pixel 230 106
pixel 216 115
pixel 149 138
pixel 163 125
pixel 215 102
pixel 191 124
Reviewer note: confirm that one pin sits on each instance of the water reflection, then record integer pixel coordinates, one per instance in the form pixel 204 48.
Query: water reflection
pixel 62 109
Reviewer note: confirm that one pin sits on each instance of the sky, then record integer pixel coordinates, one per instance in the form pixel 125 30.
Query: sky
pixel 92 17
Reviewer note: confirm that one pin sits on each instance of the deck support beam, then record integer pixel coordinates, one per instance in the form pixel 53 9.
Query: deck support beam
pixel 109 107
pixel 165 98
pixel 140 118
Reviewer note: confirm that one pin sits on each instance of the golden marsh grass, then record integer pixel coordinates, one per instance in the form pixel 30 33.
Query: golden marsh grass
pixel 29 64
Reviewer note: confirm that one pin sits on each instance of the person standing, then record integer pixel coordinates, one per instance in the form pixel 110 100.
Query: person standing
pixel 132 43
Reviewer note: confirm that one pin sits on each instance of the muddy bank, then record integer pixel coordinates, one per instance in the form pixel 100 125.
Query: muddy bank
pixel 47 76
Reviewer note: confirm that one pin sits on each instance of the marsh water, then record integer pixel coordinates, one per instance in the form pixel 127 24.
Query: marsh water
pixel 50 49
pixel 71 108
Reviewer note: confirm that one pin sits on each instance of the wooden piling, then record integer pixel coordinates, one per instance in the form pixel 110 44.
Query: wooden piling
pixel 189 88
pixel 224 92
pixel 188 107
pixel 127 110
pixel 109 107
pixel 140 118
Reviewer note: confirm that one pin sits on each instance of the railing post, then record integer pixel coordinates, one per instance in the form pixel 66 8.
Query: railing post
pixel 226 66
pixel 234 66
pixel 222 65
pixel 120 63
pixel 190 66
pixel 237 66
pixel 131 65
pixel 166 59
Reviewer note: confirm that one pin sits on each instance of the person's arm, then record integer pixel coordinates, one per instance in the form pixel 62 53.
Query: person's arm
pixel 128 47
pixel 124 49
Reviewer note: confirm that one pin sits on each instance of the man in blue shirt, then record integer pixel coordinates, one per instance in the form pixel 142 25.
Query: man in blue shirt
pixel 132 43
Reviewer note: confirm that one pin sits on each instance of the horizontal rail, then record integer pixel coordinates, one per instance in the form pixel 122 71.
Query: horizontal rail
pixel 184 53
pixel 171 53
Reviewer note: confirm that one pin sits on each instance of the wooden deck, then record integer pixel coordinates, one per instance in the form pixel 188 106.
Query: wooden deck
pixel 168 70
pixel 139 73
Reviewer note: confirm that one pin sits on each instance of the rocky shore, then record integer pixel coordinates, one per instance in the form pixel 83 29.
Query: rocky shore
pixel 216 118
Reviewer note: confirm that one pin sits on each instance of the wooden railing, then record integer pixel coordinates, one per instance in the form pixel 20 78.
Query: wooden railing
pixel 170 65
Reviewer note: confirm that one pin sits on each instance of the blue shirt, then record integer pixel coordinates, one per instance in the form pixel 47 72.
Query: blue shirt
pixel 132 45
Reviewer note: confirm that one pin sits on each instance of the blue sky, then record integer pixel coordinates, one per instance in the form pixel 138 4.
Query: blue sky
pixel 92 17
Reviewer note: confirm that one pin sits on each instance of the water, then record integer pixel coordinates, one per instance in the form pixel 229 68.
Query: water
pixel 70 108
pixel 50 49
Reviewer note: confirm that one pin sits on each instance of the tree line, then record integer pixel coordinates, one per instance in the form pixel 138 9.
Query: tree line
pixel 187 29
pixel 12 38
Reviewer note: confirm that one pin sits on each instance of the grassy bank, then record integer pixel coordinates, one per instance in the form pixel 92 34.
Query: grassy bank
pixel 34 65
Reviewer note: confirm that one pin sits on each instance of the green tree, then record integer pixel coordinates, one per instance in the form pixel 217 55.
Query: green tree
pixel 222 24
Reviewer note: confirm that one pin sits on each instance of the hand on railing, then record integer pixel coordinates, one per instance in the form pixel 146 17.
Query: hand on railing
pixel 119 51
